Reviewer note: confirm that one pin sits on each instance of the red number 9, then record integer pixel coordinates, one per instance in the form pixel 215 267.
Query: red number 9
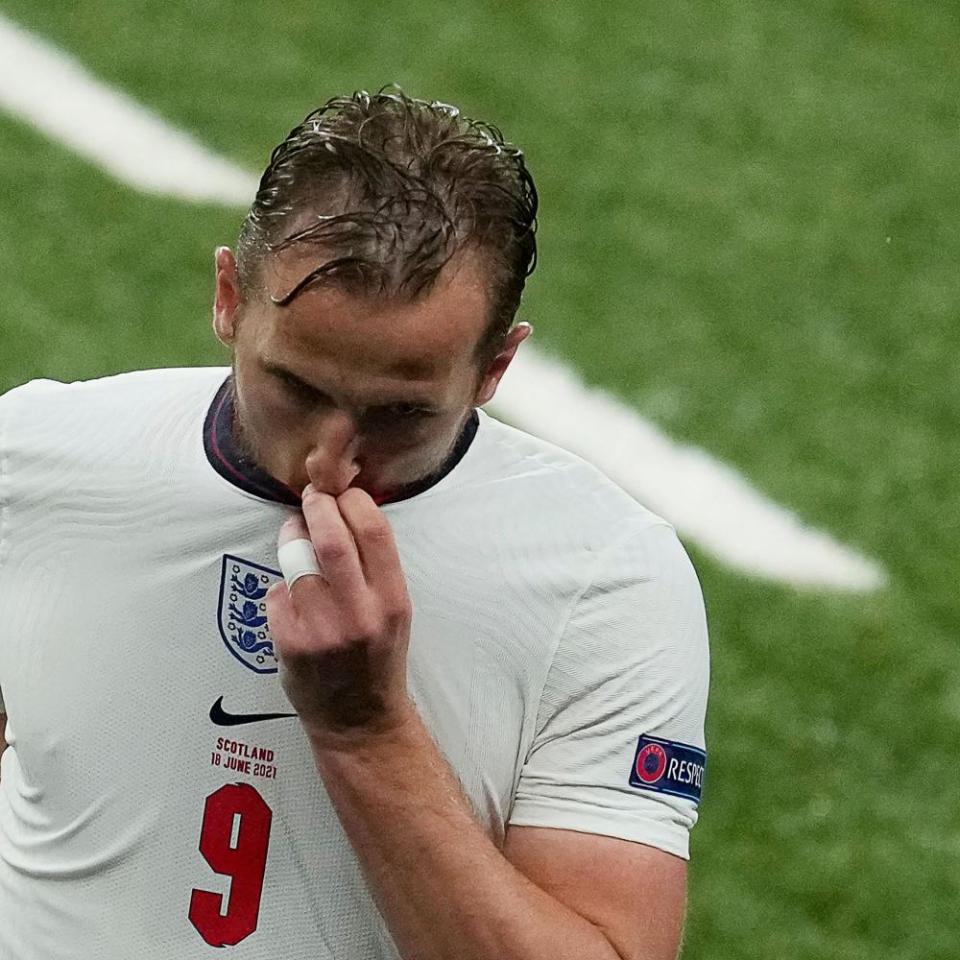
pixel 243 861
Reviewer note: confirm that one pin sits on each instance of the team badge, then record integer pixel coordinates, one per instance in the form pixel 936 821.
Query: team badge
pixel 242 612
pixel 666 766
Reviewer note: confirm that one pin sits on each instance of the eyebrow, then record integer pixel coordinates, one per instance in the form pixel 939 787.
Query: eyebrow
pixel 283 373
pixel 414 369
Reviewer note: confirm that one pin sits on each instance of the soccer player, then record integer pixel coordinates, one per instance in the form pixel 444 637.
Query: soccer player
pixel 472 729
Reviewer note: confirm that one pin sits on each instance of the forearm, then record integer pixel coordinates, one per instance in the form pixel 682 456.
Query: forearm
pixel 444 889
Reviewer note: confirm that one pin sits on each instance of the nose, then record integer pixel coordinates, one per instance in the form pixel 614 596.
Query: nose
pixel 332 461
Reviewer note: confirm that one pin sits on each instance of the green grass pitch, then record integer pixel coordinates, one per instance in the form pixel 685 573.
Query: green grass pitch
pixel 749 232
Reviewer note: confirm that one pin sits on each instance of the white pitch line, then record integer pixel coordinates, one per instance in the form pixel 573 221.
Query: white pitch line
pixel 55 93
pixel 705 499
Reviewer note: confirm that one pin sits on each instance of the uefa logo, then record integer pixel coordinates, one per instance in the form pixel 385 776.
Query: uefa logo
pixel 651 763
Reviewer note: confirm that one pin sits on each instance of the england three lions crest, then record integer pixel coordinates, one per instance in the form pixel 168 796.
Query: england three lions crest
pixel 242 612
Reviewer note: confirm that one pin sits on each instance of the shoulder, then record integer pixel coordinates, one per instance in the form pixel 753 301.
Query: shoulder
pixel 75 437
pixel 44 410
pixel 555 520
pixel 548 484
pixel 132 386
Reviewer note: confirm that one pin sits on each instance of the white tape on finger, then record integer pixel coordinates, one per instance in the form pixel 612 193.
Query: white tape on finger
pixel 298 559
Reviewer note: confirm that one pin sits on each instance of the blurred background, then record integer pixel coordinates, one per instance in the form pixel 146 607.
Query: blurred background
pixel 749 235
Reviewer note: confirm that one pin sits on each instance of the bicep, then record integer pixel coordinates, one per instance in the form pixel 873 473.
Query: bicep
pixel 635 894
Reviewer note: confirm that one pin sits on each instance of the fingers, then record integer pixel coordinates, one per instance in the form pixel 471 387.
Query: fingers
pixel 292 637
pixel 376 546
pixel 355 550
pixel 295 551
pixel 295 566
pixel 281 614
pixel 335 548
pixel 294 528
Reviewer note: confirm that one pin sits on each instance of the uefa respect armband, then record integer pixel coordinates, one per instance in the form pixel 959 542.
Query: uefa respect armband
pixel 666 766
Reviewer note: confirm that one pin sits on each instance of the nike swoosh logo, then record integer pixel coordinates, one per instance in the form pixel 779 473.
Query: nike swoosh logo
pixel 220 716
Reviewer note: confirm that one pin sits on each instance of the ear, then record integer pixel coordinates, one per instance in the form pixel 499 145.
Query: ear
pixel 496 370
pixel 226 296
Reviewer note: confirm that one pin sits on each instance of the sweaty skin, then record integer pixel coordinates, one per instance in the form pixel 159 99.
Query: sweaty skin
pixel 342 390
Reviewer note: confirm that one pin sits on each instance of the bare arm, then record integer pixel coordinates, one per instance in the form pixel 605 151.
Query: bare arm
pixel 442 885
pixel 445 890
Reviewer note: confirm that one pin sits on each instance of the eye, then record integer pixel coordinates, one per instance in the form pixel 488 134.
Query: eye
pixel 405 411
pixel 397 415
pixel 299 389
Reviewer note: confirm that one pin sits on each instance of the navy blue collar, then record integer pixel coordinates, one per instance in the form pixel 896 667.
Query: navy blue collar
pixel 227 458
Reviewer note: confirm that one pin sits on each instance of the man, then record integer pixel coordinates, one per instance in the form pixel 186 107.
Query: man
pixel 469 722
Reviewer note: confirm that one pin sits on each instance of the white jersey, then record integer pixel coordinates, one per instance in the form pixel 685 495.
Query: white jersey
pixel 159 800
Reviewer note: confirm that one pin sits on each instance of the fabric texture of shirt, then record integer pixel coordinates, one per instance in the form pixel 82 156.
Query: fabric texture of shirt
pixel 555 622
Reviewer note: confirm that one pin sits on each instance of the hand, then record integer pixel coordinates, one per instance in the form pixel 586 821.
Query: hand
pixel 341 640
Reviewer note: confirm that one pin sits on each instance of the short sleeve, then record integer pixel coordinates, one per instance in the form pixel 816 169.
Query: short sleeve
pixel 628 684
pixel 5 401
